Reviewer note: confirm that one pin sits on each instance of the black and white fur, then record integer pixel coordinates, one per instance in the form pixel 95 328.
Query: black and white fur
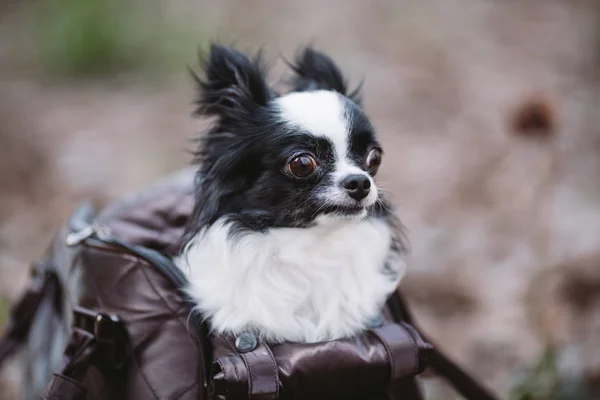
pixel 289 259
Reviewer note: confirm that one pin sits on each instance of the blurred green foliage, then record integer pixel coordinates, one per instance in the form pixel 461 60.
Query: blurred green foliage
pixel 4 308
pixel 544 381
pixel 540 382
pixel 107 37
pixel 83 36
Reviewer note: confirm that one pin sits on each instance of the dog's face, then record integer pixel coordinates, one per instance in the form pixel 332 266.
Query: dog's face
pixel 328 155
pixel 295 160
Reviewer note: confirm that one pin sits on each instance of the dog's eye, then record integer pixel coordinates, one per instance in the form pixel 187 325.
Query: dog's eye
pixel 302 166
pixel 373 161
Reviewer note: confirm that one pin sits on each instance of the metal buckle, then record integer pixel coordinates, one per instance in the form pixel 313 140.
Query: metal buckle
pixel 109 333
pixel 110 336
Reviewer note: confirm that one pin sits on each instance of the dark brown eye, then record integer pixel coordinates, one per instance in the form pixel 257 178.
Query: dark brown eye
pixel 302 166
pixel 373 161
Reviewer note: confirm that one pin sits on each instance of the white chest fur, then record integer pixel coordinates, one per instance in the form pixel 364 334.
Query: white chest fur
pixel 293 284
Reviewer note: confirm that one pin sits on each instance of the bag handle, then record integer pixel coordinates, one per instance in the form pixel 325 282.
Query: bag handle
pixel 460 380
pixel 96 339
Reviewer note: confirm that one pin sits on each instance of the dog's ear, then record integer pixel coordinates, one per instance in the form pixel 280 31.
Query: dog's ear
pixel 233 84
pixel 315 70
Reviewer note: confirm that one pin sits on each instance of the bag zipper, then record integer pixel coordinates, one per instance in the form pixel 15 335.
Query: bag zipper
pixel 104 235
pixel 75 238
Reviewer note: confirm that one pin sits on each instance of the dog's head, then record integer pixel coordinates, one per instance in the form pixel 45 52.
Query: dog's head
pixel 291 160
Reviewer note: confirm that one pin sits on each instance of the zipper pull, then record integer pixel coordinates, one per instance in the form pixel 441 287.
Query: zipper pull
pixel 75 238
pixel 102 232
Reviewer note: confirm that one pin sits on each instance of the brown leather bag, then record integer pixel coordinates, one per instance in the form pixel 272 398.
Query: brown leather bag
pixel 115 325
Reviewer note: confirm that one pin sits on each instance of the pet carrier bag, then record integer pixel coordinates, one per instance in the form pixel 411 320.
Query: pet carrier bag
pixel 103 318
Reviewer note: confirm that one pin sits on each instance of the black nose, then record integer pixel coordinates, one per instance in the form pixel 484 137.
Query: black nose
pixel 357 185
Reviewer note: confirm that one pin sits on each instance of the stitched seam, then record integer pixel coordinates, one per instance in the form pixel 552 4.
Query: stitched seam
pixel 101 305
pixel 226 385
pixel 237 376
pixel 415 347
pixel 390 355
pixel 173 312
pixel 250 377
pixel 136 361
pixel 161 233
pixel 233 349
pixel 93 283
pixel 186 391
pixel 143 265
pixel 174 315
pixel 144 272
pixel 275 372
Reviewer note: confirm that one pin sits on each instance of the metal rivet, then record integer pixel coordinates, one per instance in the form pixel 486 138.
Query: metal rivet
pixel 246 342
pixel 377 321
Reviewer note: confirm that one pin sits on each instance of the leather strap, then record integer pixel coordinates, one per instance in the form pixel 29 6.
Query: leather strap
pixel 79 353
pixel 78 356
pixel 41 284
pixel 263 375
pixel 461 381
pixel 402 350
pixel 62 387
pixel 8 345
pixel 96 339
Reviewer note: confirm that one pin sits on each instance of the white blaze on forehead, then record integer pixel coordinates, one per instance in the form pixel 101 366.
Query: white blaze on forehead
pixel 320 113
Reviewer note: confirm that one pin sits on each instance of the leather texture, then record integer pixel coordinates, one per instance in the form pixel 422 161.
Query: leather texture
pixel 64 388
pixel 156 217
pixel 164 354
pixel 356 368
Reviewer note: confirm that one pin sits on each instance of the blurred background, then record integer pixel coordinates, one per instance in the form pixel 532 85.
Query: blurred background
pixel 489 115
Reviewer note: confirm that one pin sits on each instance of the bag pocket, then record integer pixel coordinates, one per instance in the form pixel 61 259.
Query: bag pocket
pixel 352 368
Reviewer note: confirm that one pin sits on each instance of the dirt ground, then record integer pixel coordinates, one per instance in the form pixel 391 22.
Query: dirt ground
pixel 488 113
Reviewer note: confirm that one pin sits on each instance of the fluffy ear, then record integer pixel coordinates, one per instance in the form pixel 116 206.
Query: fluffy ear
pixel 234 84
pixel 316 71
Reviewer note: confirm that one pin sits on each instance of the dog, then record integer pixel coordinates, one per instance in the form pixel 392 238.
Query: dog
pixel 290 237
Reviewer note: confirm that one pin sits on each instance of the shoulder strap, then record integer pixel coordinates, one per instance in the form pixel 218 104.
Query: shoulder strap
pixel 461 381
pixel 42 284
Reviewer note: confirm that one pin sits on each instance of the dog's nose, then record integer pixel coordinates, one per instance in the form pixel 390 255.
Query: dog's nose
pixel 357 185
